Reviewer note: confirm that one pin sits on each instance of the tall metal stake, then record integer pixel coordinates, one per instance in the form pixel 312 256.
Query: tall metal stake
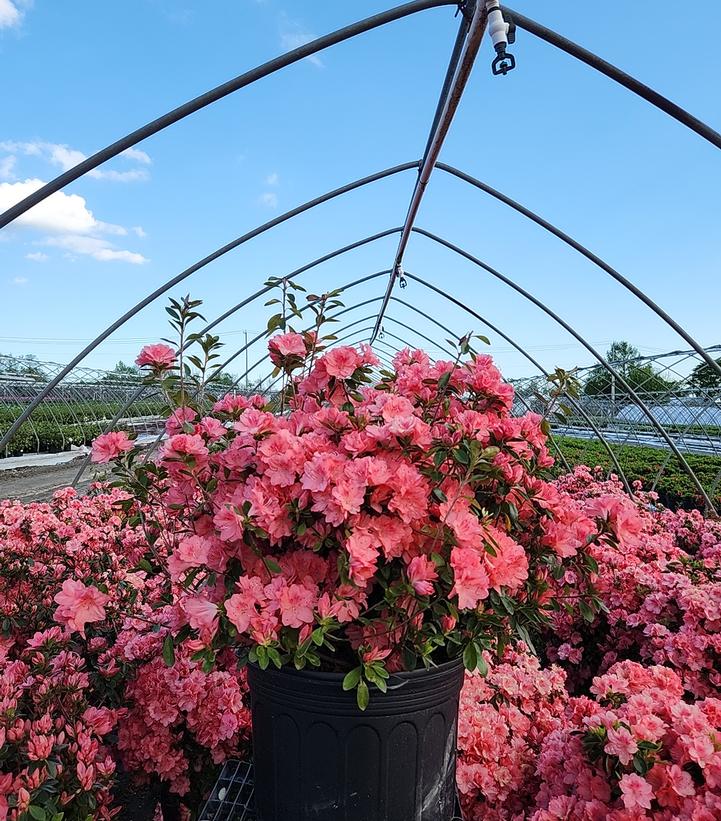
pixel 458 73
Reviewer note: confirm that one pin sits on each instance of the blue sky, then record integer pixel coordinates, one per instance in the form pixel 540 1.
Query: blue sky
pixel 624 179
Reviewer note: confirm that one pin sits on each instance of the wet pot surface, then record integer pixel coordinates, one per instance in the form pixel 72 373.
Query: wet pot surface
pixel 319 758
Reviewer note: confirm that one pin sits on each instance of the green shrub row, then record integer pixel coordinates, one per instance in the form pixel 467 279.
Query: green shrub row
pixel 69 413
pixel 47 437
pixel 675 488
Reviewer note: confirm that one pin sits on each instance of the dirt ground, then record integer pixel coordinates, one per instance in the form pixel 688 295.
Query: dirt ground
pixel 37 484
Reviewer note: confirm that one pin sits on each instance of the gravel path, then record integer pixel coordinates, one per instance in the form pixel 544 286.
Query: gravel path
pixel 37 484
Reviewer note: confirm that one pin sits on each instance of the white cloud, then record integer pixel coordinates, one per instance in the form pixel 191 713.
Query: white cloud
pixel 20 281
pixel 65 157
pixel 272 179
pixel 37 256
pixel 137 155
pixel 95 247
pixel 139 231
pixel 295 38
pixel 269 199
pixel 71 223
pixel 10 15
pixel 59 212
pixel 7 164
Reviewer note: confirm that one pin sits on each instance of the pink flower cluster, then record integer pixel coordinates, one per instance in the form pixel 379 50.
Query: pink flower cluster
pixel 504 720
pixel 400 517
pixel 165 705
pixel 660 581
pixel 638 751
pixel 53 742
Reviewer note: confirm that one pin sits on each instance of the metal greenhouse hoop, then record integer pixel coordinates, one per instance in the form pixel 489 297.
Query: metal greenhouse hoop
pixel 464 52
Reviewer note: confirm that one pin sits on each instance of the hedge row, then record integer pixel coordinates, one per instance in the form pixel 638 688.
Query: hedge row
pixel 47 437
pixel 675 488
pixel 69 413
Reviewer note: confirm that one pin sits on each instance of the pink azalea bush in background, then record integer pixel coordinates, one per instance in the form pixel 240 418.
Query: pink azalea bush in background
pixel 646 740
pixel 78 608
pixel 65 569
pixel 660 583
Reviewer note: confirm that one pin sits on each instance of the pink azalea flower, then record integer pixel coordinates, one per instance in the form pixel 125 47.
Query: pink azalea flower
pixel 202 616
pixel 290 344
pixel 108 446
pixel 421 574
pixel 158 356
pixel 296 605
pixel 621 744
pixel 341 362
pixel 637 792
pixel 471 580
pixel 78 605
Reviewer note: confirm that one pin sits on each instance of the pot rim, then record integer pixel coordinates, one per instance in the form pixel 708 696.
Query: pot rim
pixel 319 675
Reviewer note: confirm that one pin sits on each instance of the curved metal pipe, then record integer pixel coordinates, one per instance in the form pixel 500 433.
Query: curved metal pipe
pixel 138 393
pixel 594 258
pixel 191 270
pixel 587 345
pixel 213 96
pixel 614 73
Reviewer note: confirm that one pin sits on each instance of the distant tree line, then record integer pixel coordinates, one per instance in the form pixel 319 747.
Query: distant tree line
pixel 643 378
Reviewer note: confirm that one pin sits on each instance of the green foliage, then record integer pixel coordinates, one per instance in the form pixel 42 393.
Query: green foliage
pixel 643 379
pixel 70 413
pixel 704 378
pixel 675 488
pixel 49 437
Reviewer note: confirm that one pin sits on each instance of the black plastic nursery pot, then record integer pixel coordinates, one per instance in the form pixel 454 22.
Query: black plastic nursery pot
pixel 318 757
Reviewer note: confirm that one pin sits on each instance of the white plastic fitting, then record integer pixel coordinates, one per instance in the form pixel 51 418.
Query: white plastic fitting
pixel 497 26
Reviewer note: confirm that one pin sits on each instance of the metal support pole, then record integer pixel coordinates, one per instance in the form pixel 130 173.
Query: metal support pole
pixel 450 97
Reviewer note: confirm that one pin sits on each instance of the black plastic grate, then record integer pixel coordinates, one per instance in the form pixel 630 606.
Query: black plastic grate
pixel 232 796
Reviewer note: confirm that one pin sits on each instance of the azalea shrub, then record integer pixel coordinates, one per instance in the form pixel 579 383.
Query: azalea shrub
pixel 79 689
pixel 660 587
pixel 65 578
pixel 367 521
pixel 633 749
pixel 364 521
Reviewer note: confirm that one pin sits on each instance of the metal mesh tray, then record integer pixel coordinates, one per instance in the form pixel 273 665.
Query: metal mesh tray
pixel 232 796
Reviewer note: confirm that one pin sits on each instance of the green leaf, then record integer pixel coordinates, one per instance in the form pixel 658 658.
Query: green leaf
pixel 38 813
pixel 352 679
pixel 169 651
pixel 439 494
pixel 470 658
pixel 586 612
pixel 272 565
pixel 362 695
